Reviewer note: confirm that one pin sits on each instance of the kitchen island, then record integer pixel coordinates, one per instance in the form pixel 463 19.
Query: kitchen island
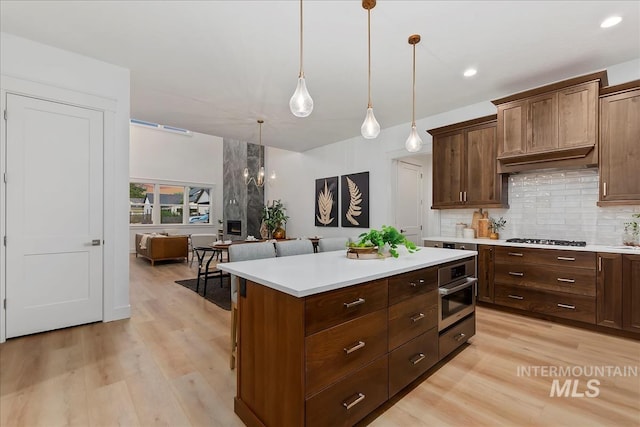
pixel 324 340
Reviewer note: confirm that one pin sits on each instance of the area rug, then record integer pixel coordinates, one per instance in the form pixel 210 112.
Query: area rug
pixel 220 296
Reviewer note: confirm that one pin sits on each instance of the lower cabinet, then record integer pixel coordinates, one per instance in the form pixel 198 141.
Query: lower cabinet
pixel 332 358
pixel 631 293
pixel 350 400
pixel 485 273
pixel 609 290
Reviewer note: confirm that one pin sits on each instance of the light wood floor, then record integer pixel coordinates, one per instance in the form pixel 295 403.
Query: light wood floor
pixel 168 365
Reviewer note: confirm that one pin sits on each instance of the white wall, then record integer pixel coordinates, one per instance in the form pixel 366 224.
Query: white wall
pixel 28 64
pixel 195 159
pixel 297 172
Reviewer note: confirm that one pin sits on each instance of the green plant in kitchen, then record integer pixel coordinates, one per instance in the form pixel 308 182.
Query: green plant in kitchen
pixel 387 235
pixel 632 232
pixel 496 225
pixel 274 216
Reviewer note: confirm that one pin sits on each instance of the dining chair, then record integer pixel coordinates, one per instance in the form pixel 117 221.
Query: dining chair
pixel 243 252
pixel 200 240
pixel 327 244
pixel 294 247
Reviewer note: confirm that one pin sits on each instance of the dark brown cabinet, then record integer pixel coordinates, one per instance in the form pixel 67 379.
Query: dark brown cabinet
pixel 620 144
pixel 631 293
pixel 609 290
pixel 485 273
pixel 464 166
pixel 559 283
pixel 554 123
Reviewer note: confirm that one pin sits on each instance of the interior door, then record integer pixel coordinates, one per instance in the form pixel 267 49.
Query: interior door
pixel 409 201
pixel 54 215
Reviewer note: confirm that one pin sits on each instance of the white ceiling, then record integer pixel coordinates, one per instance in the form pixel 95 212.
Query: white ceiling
pixel 215 67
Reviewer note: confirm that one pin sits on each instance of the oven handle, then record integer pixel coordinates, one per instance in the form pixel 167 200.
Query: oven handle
pixel 470 281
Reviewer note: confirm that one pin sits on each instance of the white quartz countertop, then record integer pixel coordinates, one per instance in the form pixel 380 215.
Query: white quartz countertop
pixel 304 275
pixel 618 249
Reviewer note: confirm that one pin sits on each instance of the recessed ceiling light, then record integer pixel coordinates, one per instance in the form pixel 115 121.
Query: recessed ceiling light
pixel 610 21
pixel 470 72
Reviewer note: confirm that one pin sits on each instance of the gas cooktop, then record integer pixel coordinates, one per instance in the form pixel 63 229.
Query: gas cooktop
pixel 548 242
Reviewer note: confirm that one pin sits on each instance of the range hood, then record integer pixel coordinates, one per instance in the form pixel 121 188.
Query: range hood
pixel 554 126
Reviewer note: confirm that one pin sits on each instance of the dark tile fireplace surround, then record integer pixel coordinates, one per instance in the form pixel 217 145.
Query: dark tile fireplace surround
pixel 242 203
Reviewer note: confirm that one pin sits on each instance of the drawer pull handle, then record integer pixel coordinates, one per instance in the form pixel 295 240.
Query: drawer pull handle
pixel 513 273
pixel 570 307
pixel 354 303
pixel 417 317
pixel 417 358
pixel 358 398
pixel 515 296
pixel 459 337
pixel 354 347
pixel 515 254
pixel 560 279
pixel 414 284
pixel 566 258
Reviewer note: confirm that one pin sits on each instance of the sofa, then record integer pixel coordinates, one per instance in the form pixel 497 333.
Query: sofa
pixel 156 247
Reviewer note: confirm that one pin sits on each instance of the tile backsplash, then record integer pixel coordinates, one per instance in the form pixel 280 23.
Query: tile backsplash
pixel 553 204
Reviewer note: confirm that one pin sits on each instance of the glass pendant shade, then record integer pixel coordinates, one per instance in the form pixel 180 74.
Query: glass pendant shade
pixel 370 128
pixel 414 143
pixel 301 104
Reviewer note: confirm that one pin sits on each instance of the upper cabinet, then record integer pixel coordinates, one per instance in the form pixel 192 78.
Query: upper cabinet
pixel 620 145
pixel 464 166
pixel 552 126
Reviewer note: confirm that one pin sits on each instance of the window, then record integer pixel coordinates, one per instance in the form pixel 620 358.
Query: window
pixel 169 203
pixel 141 202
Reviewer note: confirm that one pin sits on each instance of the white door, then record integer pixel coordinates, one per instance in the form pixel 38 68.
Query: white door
pixel 54 215
pixel 409 201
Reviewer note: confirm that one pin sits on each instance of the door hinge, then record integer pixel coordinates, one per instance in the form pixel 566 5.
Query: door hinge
pixel 420 228
pixel 4 303
pixel 4 177
pixel 5 115
pixel 5 240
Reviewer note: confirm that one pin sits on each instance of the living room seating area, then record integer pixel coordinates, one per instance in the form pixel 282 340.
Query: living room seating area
pixel 158 247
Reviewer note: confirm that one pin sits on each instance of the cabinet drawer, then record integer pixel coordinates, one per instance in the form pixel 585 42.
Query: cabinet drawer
pixel 412 317
pixel 337 351
pixel 568 306
pixel 334 307
pixel 351 399
pixel 408 285
pixel 411 360
pixel 580 281
pixel 457 335
pixel 564 258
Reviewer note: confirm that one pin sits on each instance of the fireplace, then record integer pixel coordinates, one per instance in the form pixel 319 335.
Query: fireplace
pixel 234 227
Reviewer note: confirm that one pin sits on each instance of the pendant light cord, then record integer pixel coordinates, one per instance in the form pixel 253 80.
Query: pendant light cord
pixel 301 71
pixel 369 51
pixel 413 114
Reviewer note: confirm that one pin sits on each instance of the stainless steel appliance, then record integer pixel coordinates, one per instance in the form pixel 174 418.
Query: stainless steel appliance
pixel 548 242
pixel 457 290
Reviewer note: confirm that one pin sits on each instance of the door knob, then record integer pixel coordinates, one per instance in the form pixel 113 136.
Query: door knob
pixel 95 242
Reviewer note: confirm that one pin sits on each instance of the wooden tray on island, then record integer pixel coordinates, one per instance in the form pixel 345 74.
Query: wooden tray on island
pixel 365 253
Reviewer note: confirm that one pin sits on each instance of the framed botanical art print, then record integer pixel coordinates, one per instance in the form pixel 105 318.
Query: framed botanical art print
pixel 326 212
pixel 355 200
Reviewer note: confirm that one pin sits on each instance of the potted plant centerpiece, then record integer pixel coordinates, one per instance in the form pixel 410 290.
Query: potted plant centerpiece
pixel 496 225
pixel 274 216
pixel 377 241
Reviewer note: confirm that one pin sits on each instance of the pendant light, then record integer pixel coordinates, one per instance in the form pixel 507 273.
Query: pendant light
pixel 370 128
pixel 259 179
pixel 414 143
pixel 301 104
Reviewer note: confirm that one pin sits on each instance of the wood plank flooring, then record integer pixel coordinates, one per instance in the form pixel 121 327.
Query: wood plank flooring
pixel 168 365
